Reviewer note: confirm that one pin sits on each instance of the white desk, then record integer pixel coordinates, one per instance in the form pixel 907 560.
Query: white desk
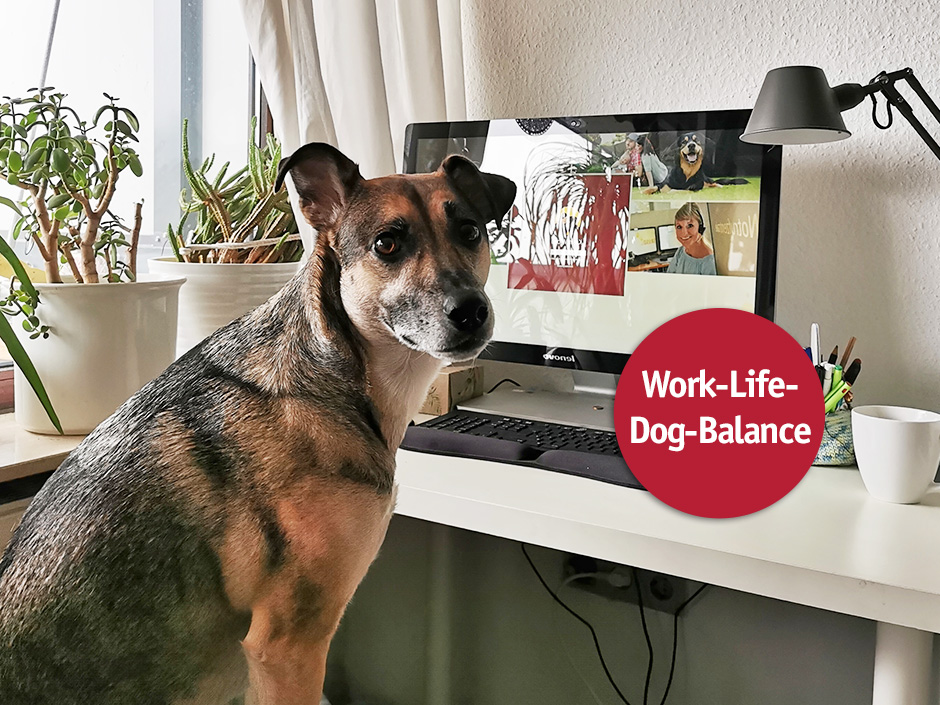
pixel 828 544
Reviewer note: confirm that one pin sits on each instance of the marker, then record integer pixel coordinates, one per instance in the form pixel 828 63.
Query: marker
pixel 836 377
pixel 835 396
pixel 851 374
pixel 827 380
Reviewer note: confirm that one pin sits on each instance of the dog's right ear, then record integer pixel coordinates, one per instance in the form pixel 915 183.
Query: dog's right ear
pixel 325 179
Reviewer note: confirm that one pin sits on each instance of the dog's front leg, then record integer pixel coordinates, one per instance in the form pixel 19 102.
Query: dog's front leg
pixel 286 648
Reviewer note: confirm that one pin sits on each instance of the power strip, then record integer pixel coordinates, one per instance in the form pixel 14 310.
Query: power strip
pixel 663 593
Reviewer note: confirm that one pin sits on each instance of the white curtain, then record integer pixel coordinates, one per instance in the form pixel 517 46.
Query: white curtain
pixel 354 72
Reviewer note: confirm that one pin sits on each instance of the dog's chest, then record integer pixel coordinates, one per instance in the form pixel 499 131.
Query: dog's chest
pixel 690 169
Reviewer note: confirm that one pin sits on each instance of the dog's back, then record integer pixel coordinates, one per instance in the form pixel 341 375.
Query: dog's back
pixel 117 586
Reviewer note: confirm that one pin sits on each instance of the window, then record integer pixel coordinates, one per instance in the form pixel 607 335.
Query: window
pixel 165 60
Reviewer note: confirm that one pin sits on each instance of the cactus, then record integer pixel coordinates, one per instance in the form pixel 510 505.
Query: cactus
pixel 241 209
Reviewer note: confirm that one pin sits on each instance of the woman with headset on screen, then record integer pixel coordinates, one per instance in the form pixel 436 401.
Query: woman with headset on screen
pixel 694 256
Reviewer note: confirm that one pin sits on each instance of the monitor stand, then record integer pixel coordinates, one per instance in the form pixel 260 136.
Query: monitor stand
pixel 590 405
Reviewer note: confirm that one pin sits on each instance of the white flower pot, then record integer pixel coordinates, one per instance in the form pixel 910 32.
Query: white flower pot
pixel 106 341
pixel 214 295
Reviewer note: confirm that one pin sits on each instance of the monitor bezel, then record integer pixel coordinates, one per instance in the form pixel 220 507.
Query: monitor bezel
pixel 693 121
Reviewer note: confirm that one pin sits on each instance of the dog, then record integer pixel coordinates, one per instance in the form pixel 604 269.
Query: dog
pixel 203 542
pixel 687 173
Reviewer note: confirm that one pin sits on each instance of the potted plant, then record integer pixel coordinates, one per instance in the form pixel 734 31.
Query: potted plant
pixel 95 334
pixel 245 244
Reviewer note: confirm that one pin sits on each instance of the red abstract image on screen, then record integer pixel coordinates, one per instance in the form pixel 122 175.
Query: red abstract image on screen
pixel 579 225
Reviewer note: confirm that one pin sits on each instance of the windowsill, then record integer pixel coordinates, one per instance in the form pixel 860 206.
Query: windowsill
pixel 23 453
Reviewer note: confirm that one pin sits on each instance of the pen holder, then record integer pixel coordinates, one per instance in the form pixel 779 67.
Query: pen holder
pixel 836 447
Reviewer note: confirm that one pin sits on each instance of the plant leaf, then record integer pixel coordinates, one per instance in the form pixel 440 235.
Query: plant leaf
pixel 57 200
pixel 10 256
pixel 8 202
pixel 21 359
pixel 131 118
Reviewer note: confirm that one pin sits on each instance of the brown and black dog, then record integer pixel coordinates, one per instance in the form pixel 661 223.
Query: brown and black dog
pixel 204 540
pixel 687 172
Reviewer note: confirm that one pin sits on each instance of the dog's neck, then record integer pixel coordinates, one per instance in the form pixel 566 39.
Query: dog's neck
pixel 395 377
pixel 397 382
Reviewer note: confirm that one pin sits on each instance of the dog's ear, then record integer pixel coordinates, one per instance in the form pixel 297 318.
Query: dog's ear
pixel 325 179
pixel 490 194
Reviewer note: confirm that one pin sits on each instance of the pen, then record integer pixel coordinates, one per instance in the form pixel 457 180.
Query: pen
pixel 814 343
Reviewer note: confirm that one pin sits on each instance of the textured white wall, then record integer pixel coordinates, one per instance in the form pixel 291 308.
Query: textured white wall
pixel 860 219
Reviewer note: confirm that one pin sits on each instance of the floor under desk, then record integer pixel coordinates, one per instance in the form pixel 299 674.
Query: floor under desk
pixel 449 616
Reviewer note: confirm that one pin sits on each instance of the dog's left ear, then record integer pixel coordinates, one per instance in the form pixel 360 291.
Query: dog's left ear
pixel 325 179
pixel 491 194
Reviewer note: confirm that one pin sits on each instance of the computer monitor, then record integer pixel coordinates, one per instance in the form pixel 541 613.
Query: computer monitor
pixel 564 290
pixel 643 242
pixel 667 238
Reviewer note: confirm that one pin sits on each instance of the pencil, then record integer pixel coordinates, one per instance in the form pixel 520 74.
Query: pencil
pixel 848 352
pixel 834 355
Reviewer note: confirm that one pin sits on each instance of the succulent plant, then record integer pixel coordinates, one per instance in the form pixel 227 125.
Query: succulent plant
pixel 240 217
pixel 70 169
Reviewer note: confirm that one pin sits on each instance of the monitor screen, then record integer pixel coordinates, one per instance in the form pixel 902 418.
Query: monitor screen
pixel 620 223
pixel 667 238
pixel 642 241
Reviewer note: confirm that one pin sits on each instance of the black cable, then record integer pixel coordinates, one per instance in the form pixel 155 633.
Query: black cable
pixel 646 633
pixel 675 641
pixel 581 619
pixel 503 381
pixel 874 113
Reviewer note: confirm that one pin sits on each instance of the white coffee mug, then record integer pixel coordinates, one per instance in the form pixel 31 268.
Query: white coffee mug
pixel 897 450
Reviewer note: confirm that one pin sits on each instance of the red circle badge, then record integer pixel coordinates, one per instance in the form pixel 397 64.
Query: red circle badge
pixel 719 413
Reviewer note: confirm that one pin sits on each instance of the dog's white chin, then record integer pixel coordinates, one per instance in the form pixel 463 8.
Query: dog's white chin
pixel 451 358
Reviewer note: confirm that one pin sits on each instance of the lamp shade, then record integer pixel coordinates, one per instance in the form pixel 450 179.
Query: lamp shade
pixel 795 106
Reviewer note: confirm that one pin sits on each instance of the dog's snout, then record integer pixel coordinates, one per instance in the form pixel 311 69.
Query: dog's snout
pixel 468 313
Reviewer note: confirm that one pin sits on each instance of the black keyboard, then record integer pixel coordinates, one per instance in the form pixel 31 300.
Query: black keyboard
pixel 550 446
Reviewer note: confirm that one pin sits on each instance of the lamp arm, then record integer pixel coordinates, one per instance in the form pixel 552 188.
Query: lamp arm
pixel 921 93
pixel 885 84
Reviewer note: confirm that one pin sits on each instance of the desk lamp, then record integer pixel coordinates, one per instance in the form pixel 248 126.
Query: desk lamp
pixel 796 105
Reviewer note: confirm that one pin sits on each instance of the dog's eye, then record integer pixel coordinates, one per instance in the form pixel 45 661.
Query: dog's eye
pixel 386 245
pixel 470 232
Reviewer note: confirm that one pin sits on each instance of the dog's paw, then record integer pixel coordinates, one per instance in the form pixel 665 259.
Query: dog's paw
pixel 650 190
pixel 713 185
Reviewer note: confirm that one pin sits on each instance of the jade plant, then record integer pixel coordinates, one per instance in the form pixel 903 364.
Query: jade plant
pixel 67 169
pixel 240 218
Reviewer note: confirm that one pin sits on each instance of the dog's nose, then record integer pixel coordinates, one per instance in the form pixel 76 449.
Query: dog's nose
pixel 468 313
